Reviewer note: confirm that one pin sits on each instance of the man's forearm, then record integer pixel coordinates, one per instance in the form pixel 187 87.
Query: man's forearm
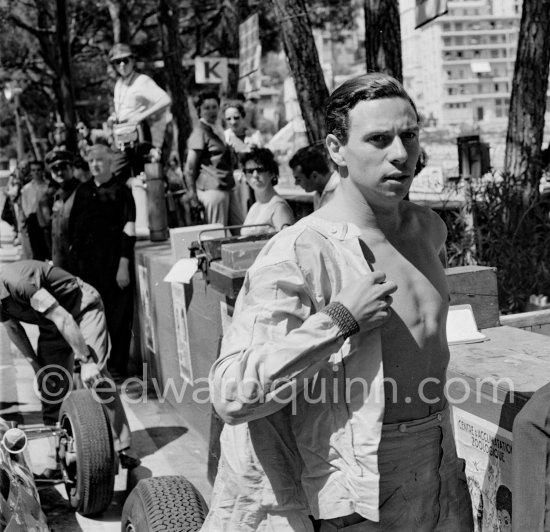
pixel 68 328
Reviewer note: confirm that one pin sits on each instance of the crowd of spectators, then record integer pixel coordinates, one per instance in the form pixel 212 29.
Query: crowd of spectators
pixel 77 209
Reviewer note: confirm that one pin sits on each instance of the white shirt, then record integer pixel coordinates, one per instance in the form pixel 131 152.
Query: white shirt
pixel 135 94
pixel 263 213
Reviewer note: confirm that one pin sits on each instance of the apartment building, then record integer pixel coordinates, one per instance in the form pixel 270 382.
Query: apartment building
pixel 459 67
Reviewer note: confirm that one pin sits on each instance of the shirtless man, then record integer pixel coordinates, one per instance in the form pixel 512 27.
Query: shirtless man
pixel 333 370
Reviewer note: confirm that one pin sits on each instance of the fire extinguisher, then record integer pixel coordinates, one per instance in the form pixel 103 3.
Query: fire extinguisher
pixel 156 202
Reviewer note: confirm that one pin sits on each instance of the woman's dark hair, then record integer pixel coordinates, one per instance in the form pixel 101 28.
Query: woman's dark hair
pixel 374 86
pixel 234 105
pixel 206 95
pixel 264 157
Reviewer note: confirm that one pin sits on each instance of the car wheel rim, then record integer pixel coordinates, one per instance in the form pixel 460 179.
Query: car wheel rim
pixel 68 444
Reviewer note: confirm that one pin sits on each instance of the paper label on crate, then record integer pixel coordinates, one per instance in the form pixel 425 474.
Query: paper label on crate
pixel 487 450
pixel 182 271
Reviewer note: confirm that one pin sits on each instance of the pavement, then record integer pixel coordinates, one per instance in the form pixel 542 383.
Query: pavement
pixel 161 438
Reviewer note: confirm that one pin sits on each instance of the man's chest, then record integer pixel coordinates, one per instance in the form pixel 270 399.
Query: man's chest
pixel 422 292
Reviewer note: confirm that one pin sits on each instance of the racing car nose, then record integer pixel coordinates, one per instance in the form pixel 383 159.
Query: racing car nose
pixel 14 441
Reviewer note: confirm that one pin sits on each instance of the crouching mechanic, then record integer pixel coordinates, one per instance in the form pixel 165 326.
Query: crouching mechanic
pixel 72 333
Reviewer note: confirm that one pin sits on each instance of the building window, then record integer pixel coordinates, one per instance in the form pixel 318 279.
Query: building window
pixel 479 112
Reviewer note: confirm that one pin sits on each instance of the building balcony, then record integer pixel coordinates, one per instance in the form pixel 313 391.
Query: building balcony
pixel 491 60
pixel 478 46
pixel 450 82
pixel 480 31
pixel 457 98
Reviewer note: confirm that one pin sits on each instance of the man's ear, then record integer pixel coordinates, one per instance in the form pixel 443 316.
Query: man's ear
pixel 336 150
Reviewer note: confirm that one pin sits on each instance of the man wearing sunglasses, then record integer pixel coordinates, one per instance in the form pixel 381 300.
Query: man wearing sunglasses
pixel 61 166
pixel 140 102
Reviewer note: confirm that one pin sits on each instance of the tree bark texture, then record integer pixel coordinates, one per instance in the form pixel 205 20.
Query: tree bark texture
pixel 230 38
pixel 169 16
pixel 522 160
pixel 119 20
pixel 67 106
pixel 304 64
pixel 383 37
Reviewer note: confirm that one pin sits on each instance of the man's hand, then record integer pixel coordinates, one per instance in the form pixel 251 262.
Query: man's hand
pixel 368 299
pixel 89 372
pixel 191 197
pixel 123 275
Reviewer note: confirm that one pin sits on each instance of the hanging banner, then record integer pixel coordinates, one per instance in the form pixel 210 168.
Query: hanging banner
pixel 428 10
pixel 487 450
pixel 250 52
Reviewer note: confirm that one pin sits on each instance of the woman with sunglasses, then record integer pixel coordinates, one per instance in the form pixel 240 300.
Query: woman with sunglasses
pixel 138 101
pixel 261 172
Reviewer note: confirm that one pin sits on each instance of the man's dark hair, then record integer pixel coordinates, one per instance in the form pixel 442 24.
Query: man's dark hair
pixel 37 162
pixel 374 86
pixel 309 159
pixel 263 156
pixel 82 164
pixel 206 95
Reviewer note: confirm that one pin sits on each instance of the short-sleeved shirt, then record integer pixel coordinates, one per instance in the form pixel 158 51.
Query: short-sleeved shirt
pixel 19 283
pixel 214 154
pixel 137 96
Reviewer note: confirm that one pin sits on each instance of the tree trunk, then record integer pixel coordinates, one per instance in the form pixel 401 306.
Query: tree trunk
pixel 119 20
pixel 66 107
pixel 230 36
pixel 522 160
pixel 383 37
pixel 169 16
pixel 304 63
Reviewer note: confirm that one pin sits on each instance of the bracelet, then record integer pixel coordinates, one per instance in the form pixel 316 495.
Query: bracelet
pixel 343 318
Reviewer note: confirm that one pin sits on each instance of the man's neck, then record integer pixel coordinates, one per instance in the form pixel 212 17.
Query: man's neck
pixel 323 180
pixel 101 180
pixel 126 80
pixel 348 205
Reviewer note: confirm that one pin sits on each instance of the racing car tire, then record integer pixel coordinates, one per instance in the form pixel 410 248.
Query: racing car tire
pixel 93 474
pixel 164 504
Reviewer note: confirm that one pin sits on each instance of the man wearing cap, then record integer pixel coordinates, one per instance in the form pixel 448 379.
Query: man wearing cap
pixel 60 163
pixel 140 101
pixel 101 241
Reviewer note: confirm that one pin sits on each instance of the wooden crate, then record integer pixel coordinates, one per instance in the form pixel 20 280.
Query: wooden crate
pixel 477 286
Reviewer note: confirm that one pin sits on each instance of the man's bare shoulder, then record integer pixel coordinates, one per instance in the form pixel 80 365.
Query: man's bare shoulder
pixel 425 221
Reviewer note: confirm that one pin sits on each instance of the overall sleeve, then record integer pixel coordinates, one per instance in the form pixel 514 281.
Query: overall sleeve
pixel 276 342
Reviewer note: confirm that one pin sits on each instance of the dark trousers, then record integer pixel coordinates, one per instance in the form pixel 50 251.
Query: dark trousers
pixel 531 465
pixel 119 311
pixel 38 237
